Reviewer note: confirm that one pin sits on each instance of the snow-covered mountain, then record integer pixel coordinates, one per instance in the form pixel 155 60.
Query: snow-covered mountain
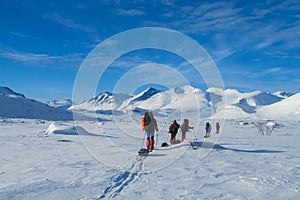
pixel 64 104
pixel 243 105
pixel 229 103
pixel 15 105
pixel 136 101
pixel 103 101
pixel 8 92
pixel 186 98
pixel 288 108
pixel 219 103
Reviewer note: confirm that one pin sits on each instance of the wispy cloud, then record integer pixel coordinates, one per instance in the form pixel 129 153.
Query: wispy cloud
pixel 43 59
pixel 29 57
pixel 129 12
pixel 257 26
pixel 202 17
pixel 68 22
pixel 130 61
pixel 153 73
pixel 283 54
pixel 22 35
pixel 271 70
pixel 55 12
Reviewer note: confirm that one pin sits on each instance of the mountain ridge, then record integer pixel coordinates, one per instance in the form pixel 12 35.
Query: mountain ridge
pixel 15 105
pixel 213 102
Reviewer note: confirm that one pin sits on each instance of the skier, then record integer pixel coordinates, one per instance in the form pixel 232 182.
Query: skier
pixel 207 130
pixel 173 129
pixel 184 128
pixel 217 128
pixel 149 125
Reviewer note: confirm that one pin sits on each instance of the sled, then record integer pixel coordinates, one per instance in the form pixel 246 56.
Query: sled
pixel 143 152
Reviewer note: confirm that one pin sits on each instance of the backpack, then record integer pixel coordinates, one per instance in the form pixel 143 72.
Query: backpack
pixel 173 128
pixel 170 128
pixel 147 119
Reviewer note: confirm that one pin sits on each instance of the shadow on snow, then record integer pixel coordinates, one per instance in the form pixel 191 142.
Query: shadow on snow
pixel 209 145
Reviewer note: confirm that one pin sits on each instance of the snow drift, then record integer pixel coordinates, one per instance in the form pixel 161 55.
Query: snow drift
pixel 64 129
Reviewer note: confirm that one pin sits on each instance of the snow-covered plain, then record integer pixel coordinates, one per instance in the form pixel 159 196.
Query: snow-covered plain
pixel 48 160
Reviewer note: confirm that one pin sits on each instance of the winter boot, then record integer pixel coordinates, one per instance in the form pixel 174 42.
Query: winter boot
pixel 148 144
pixel 151 144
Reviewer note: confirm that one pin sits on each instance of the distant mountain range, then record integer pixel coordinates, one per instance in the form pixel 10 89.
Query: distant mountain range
pixel 229 103
pixel 219 103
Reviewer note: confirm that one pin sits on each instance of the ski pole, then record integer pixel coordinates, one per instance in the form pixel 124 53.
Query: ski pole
pixel 143 139
pixel 156 140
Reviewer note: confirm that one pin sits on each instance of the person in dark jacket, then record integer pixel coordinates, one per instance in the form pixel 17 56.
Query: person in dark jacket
pixel 217 128
pixel 207 129
pixel 173 129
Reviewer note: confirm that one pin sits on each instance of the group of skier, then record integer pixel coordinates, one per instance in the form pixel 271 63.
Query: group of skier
pixel 149 125
pixel 208 129
pixel 174 127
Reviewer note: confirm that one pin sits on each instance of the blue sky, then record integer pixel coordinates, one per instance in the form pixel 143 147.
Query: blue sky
pixel 255 44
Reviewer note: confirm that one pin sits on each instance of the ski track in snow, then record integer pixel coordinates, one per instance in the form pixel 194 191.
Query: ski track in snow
pixel 122 180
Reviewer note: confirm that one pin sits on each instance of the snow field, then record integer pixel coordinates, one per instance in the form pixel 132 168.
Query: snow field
pixel 59 165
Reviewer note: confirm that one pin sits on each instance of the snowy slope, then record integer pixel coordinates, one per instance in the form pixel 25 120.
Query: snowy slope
pixel 134 101
pixel 181 98
pixel 243 105
pixel 186 98
pixel 14 105
pixel 288 108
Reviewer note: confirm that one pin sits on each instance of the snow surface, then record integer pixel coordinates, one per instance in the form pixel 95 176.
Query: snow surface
pixel 48 160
